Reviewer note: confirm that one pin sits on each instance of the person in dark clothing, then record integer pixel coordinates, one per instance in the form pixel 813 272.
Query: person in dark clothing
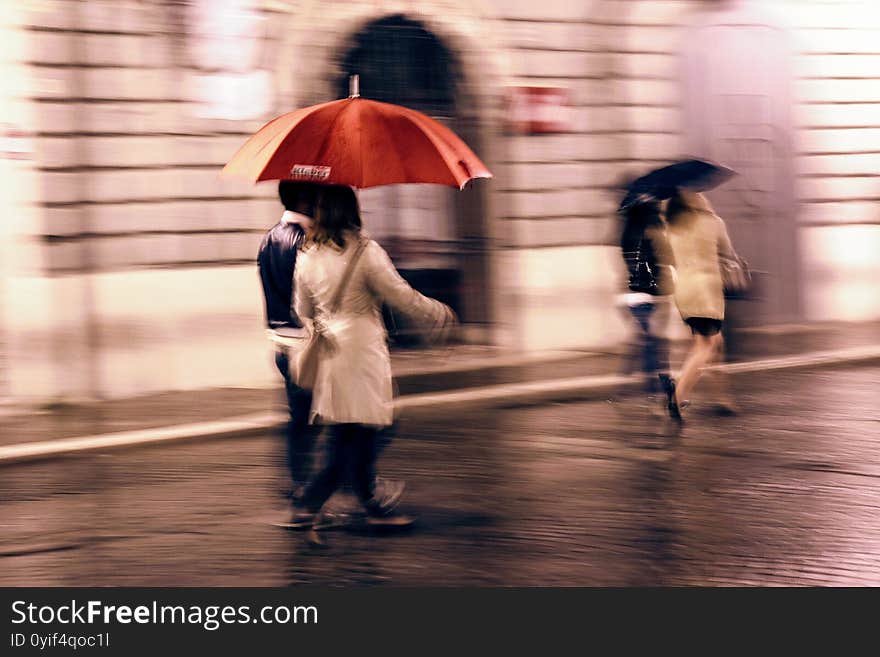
pixel 276 262
pixel 648 259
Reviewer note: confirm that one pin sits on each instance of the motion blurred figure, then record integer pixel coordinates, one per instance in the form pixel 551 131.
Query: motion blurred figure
pixel 648 258
pixel 276 262
pixel 698 238
pixel 353 388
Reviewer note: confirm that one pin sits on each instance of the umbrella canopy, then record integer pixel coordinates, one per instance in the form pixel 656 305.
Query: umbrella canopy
pixel 357 142
pixel 659 184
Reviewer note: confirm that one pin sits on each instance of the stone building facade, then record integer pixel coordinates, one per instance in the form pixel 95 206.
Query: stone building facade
pixel 128 262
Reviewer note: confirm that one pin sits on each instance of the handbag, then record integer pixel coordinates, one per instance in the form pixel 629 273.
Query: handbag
pixel 735 276
pixel 304 367
pixel 642 277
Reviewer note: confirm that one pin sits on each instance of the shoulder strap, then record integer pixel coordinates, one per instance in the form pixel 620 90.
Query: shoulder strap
pixel 340 290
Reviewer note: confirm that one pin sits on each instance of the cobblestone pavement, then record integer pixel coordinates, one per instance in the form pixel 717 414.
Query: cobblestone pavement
pixel 589 493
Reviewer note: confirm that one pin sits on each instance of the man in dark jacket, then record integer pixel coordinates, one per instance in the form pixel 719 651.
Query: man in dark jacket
pixel 276 262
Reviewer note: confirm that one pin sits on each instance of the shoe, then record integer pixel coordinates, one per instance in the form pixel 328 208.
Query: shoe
pixel 671 400
pixel 387 493
pixel 331 520
pixel 299 520
pixel 315 521
pixel 665 382
pixel 381 510
pixel 391 520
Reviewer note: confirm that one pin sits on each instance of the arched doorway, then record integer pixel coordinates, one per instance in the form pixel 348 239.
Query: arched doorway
pixel 435 235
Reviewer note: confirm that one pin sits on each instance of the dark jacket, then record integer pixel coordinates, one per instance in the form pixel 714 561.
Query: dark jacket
pixel 644 238
pixel 276 262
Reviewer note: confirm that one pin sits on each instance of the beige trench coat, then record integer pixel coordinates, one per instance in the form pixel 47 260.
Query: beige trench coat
pixel 697 236
pixel 354 383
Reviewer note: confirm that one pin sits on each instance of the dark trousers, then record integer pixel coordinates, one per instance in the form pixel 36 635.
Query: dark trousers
pixel 298 433
pixel 654 352
pixel 351 453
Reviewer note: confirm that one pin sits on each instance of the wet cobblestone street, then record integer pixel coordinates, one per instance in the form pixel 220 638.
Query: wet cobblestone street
pixel 581 493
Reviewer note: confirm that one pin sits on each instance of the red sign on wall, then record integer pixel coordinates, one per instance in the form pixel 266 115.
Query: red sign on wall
pixel 539 110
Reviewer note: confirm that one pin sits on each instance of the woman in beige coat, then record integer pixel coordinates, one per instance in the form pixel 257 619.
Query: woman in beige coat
pixel 353 387
pixel 697 237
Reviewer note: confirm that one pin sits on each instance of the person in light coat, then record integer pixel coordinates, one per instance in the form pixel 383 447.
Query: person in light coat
pixel 353 387
pixel 698 238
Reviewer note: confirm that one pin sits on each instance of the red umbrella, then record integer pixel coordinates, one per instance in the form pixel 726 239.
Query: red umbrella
pixel 357 142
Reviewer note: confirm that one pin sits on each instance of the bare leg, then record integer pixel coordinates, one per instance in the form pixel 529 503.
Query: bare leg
pixel 702 352
pixel 721 382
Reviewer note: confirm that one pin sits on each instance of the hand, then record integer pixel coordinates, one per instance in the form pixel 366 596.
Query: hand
pixel 443 327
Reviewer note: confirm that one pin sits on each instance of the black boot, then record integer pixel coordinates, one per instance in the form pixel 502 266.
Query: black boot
pixel 668 384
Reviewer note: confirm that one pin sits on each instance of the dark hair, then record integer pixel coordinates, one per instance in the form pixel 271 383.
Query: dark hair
pixel 298 196
pixel 643 214
pixel 337 211
pixel 637 219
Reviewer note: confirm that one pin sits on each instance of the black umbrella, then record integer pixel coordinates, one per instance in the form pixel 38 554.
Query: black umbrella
pixel 659 184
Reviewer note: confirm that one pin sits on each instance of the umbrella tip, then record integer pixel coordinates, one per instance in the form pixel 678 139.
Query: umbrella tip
pixel 354 86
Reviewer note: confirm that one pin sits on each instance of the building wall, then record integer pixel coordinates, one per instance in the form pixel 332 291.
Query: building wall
pixel 133 268
pixel 128 264
pixel 557 223
pixel 838 156
pixel 15 173
pixel 133 265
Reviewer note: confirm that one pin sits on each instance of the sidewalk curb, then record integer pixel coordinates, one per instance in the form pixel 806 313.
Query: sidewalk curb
pixel 236 426
pixel 587 387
